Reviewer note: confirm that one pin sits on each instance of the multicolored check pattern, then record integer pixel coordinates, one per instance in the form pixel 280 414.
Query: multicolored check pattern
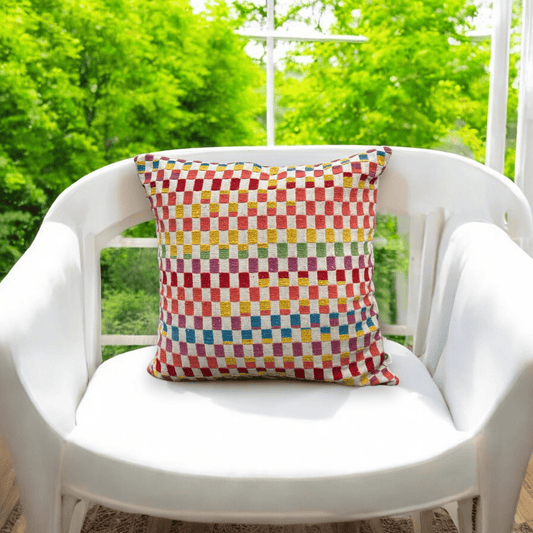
pixel 267 271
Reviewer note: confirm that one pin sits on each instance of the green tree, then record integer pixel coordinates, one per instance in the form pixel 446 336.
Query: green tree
pixel 418 77
pixel 86 83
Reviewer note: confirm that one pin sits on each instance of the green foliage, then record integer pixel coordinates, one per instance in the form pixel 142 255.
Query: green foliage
pixel 15 235
pixel 146 229
pixel 416 79
pixel 391 256
pixel 129 312
pixel 130 291
pixel 129 269
pixel 86 83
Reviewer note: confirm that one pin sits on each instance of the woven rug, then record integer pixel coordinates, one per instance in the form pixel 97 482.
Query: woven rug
pixel 103 520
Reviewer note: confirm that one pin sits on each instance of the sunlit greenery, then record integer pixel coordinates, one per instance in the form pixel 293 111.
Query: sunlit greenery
pixel 84 83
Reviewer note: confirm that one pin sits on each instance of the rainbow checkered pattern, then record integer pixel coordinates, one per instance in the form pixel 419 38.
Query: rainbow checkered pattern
pixel 267 271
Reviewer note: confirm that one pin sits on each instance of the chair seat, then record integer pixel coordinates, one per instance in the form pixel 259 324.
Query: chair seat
pixel 224 450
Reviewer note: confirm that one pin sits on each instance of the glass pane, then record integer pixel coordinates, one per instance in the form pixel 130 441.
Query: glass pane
pixel 391 258
pixel 130 290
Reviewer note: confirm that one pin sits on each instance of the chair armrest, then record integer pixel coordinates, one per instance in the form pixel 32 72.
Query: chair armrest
pixel 42 349
pixel 484 301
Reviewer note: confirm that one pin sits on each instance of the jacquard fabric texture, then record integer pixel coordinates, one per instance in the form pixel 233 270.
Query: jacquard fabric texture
pixel 267 271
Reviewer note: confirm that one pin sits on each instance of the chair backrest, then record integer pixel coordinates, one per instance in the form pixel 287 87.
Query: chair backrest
pixel 478 343
pixel 425 188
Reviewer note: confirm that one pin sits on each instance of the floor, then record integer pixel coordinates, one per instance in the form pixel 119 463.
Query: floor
pixel 524 510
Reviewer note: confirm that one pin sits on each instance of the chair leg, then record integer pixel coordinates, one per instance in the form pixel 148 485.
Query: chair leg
pixel 453 511
pixel 465 523
pixel 500 484
pixel 495 512
pixel 37 463
pixel 73 513
pixel 423 521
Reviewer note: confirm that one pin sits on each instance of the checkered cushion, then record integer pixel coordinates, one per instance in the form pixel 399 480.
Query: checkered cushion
pixel 267 271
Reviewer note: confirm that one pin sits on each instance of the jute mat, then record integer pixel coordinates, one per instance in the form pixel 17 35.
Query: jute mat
pixel 103 520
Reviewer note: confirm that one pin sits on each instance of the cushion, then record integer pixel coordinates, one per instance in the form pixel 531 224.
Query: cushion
pixel 267 271
pixel 260 451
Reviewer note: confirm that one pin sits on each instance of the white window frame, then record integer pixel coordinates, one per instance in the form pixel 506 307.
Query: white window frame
pixel 271 35
pixel 524 139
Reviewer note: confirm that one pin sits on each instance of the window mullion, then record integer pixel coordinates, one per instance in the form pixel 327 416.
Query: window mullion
pixel 271 139
pixel 270 34
pixel 499 76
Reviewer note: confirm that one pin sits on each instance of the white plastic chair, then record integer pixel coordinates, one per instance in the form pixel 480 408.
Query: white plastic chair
pixel 458 426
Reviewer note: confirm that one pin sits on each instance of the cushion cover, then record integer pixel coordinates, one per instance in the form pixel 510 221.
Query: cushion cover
pixel 267 271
